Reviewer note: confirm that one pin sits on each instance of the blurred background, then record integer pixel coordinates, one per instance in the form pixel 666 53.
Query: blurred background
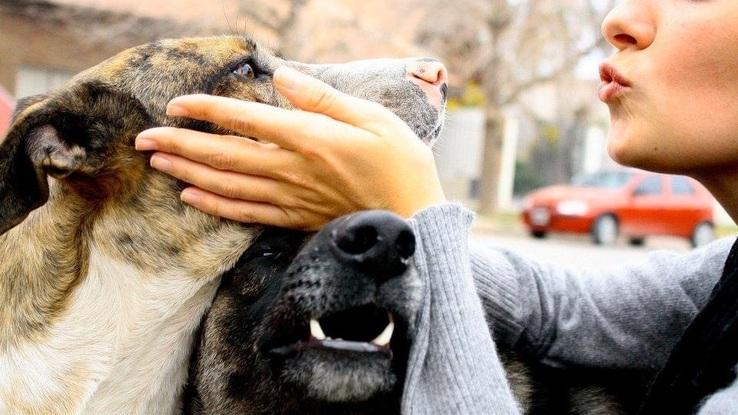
pixel 523 111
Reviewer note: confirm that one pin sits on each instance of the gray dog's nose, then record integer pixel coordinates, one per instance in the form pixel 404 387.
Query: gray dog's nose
pixel 431 76
pixel 377 242
pixel 428 70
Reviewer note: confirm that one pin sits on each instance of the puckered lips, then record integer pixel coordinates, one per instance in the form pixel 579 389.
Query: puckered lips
pixel 363 329
pixel 613 83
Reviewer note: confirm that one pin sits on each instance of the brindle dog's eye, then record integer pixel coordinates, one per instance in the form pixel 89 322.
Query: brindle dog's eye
pixel 244 70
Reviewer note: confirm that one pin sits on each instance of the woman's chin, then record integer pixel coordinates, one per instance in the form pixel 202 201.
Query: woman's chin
pixel 635 151
pixel 631 150
pixel 622 146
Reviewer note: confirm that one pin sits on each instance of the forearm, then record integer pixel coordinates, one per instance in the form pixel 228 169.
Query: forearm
pixel 454 367
pixel 630 317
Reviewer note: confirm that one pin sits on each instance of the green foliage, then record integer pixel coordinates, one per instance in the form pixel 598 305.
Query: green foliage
pixel 551 133
pixel 471 96
pixel 526 178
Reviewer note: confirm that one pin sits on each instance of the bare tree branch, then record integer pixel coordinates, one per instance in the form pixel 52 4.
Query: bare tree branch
pixel 571 62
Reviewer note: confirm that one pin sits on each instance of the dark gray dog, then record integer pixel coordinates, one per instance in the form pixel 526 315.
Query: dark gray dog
pixel 321 324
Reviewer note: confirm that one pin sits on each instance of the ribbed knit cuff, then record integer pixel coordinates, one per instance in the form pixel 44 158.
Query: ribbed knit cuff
pixel 495 279
pixel 453 367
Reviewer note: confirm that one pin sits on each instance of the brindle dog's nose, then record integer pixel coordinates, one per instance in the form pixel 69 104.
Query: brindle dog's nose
pixel 431 76
pixel 377 242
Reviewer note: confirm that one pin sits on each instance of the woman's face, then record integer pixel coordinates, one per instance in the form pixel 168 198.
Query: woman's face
pixel 672 86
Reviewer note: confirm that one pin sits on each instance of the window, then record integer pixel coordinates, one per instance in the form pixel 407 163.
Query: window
pixel 681 186
pixel 651 185
pixel 33 80
pixel 607 179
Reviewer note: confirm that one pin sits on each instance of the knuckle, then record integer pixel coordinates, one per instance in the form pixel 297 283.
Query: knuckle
pixel 221 161
pixel 296 179
pixel 214 208
pixel 291 219
pixel 229 190
pixel 320 142
pixel 241 125
pixel 173 146
pixel 287 175
pixel 324 100
pixel 293 201
pixel 244 215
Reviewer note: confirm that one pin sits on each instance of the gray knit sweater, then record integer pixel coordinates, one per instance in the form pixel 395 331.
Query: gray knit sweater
pixel 625 318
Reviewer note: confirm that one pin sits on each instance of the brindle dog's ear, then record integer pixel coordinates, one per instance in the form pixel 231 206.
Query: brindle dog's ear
pixel 26 102
pixel 71 132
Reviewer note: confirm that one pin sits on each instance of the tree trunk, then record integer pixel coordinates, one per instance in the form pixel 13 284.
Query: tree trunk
pixel 491 158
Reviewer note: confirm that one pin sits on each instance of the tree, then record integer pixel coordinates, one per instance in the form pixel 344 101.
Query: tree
pixel 279 16
pixel 511 46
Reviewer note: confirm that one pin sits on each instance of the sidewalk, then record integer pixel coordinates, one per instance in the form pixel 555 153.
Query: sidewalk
pixel 503 223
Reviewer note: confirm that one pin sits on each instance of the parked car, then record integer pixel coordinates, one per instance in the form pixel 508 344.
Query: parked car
pixel 631 202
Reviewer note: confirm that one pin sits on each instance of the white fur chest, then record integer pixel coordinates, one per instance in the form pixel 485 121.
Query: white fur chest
pixel 121 347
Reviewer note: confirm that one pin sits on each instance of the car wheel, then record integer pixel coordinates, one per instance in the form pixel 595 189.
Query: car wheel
pixel 605 230
pixel 703 234
pixel 636 241
pixel 538 234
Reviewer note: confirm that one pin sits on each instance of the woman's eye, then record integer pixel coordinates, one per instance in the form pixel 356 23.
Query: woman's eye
pixel 244 70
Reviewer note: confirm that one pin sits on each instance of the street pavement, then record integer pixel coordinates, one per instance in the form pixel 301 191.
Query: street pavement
pixel 578 251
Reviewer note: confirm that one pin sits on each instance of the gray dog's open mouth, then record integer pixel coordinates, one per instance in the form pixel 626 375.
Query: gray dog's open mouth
pixel 364 329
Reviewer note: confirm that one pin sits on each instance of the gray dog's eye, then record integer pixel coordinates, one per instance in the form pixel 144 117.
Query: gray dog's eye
pixel 244 70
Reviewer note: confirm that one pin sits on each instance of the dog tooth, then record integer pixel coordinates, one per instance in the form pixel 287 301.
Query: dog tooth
pixel 315 330
pixel 384 338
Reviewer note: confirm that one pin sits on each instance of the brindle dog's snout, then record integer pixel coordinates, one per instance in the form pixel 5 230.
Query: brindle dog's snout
pixel 378 243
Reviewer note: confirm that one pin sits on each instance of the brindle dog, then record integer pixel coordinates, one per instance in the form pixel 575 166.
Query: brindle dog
pixel 105 274
pixel 323 323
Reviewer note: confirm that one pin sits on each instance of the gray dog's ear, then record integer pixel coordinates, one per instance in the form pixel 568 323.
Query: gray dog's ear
pixel 68 133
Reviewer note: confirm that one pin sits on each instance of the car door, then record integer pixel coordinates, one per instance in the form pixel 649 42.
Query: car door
pixel 681 212
pixel 643 214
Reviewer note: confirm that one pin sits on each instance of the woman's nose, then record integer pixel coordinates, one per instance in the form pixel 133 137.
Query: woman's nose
pixel 632 24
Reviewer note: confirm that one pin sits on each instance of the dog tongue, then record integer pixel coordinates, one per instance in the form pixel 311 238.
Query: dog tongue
pixel 350 346
pixel 330 344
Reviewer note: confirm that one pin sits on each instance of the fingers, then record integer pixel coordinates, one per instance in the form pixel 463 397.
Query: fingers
pixel 292 130
pixel 251 212
pixel 310 94
pixel 228 184
pixel 228 153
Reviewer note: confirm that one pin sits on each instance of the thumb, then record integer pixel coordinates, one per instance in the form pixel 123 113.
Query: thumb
pixel 310 94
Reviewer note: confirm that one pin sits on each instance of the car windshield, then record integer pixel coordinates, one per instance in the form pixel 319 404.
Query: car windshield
pixel 606 179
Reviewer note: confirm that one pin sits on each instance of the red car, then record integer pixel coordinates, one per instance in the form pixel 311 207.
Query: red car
pixel 631 202
pixel 7 103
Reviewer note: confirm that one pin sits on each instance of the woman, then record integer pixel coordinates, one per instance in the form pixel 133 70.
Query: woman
pixel 671 88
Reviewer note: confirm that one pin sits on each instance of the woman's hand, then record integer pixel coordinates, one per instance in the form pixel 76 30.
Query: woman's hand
pixel 339 155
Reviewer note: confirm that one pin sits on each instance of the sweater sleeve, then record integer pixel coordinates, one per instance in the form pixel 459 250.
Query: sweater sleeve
pixel 629 317
pixel 453 367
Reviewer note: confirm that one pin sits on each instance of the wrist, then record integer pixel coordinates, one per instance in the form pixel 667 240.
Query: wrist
pixel 424 200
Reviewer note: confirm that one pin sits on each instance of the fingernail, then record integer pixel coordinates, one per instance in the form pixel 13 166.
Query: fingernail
pixel 144 144
pixel 189 196
pixel 174 110
pixel 289 78
pixel 160 163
